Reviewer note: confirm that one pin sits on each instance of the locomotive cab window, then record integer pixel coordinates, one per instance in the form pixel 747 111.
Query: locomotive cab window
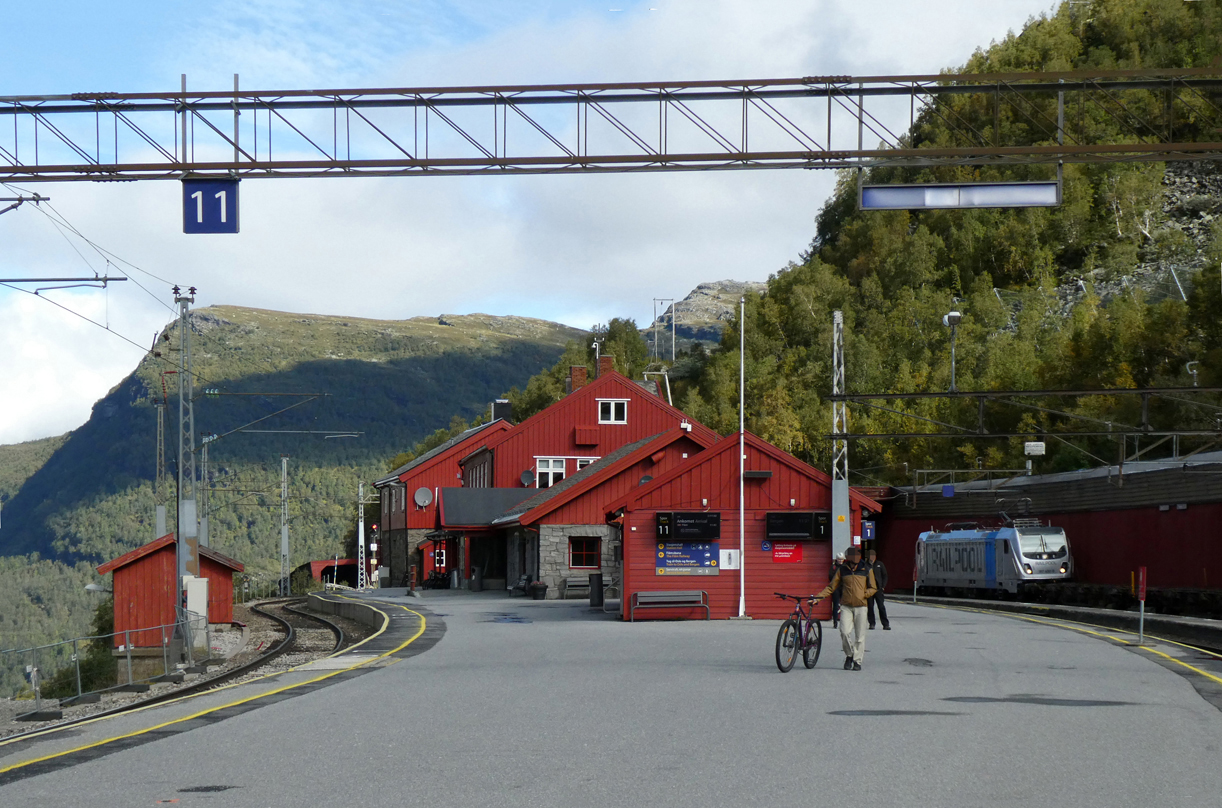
pixel 1042 544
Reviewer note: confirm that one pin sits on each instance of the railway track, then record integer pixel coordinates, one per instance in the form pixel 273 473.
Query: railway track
pixel 298 637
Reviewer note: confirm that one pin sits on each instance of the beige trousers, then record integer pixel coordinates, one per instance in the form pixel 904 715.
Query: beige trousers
pixel 853 628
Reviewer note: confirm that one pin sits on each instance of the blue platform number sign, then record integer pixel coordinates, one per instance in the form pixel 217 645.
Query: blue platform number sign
pixel 867 530
pixel 210 206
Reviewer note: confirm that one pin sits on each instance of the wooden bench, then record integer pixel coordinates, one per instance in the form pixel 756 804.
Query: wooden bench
pixel 695 599
pixel 578 584
pixel 522 585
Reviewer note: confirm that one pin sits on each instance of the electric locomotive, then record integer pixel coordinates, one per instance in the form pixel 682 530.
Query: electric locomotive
pixel 1019 555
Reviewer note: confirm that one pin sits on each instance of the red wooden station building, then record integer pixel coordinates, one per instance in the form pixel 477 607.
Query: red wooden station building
pixel 612 479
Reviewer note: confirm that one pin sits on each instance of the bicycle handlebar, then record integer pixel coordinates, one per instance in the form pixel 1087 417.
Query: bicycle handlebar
pixel 798 598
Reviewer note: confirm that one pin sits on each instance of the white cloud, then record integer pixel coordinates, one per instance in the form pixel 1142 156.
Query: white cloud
pixel 571 248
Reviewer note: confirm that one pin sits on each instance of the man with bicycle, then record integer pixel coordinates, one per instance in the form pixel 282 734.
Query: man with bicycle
pixel 855 581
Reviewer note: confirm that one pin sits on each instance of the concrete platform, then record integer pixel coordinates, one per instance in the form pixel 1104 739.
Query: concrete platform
pixel 549 703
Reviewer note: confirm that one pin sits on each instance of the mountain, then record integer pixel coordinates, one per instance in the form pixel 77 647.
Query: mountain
pixel 699 317
pixel 393 382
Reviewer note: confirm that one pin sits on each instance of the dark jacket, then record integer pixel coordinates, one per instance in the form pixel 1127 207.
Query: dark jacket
pixel 856 584
pixel 880 574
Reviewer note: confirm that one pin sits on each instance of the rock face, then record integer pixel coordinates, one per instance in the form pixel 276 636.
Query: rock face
pixel 1191 202
pixel 700 316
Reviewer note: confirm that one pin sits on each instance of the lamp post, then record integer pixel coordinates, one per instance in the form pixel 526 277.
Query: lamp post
pixel 951 320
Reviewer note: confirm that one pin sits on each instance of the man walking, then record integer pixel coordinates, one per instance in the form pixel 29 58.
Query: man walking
pixel 880 577
pixel 855 581
pixel 831 573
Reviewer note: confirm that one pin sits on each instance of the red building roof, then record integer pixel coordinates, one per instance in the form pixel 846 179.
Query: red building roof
pixel 157 544
pixel 137 554
pixel 580 499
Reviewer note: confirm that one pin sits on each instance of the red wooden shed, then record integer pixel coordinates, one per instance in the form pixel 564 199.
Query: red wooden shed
pixel 146 588
pixel 698 500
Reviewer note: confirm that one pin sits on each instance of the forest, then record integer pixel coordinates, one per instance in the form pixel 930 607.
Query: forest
pixel 1051 298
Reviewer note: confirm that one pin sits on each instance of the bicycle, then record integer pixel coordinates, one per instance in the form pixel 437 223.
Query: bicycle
pixel 802 631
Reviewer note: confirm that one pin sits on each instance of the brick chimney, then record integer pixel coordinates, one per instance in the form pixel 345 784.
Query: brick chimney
pixel 606 364
pixel 577 377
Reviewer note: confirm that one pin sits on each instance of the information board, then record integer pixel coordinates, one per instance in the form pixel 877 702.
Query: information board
pixel 787 552
pixel 689 525
pixel 686 558
pixel 798 525
pixel 210 206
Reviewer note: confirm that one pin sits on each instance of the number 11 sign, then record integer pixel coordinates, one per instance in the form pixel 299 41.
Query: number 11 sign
pixel 210 206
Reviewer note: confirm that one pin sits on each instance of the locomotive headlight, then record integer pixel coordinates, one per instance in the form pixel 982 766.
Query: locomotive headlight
pixel 1064 568
pixel 1027 567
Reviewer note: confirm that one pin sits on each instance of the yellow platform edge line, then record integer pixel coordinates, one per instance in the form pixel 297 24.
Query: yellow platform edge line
pixel 210 710
pixel 1073 625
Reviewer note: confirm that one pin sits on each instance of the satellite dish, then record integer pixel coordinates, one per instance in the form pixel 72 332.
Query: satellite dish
pixel 527 478
pixel 646 479
pixel 423 497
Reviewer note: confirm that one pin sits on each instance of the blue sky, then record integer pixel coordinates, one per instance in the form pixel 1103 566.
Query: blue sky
pixel 579 250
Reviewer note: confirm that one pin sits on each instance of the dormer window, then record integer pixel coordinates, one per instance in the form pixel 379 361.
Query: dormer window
pixel 613 411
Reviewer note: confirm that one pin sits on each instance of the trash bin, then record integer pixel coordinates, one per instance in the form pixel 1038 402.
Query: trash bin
pixel 477 580
pixel 596 590
pixel 454 580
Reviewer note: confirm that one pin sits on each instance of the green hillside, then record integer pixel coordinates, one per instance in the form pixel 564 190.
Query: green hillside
pixel 19 460
pixel 1085 295
pixel 393 381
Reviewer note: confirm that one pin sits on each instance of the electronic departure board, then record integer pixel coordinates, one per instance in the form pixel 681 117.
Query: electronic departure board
pixel 681 525
pixel 798 525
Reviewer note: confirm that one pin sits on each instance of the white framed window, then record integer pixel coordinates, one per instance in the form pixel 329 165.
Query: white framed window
pixel 582 462
pixel 613 411
pixel 550 471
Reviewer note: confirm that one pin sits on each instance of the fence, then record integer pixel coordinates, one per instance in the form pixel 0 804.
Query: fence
pixel 81 669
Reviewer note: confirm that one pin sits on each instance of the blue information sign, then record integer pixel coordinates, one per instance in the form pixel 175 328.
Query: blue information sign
pixel 867 530
pixel 686 558
pixel 210 206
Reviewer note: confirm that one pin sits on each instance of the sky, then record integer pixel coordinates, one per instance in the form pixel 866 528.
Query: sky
pixel 572 249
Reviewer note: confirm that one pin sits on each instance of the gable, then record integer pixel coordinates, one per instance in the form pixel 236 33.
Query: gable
pixel 577 426
pixel 709 481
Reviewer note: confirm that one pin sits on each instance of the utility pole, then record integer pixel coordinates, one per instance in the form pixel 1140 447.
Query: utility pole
pixel 841 526
pixel 657 348
pixel 361 577
pixel 285 587
pixel 159 474
pixel 205 496
pixel 187 526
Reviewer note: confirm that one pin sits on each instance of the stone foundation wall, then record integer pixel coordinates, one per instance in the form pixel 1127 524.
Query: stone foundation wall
pixel 554 554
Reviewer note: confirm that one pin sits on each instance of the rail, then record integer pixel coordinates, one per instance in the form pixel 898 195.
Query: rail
pixel 35 689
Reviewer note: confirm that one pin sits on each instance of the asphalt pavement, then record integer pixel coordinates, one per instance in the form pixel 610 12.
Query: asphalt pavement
pixel 529 703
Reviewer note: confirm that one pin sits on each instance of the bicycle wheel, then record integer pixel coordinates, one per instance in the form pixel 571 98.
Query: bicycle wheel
pixel 787 645
pixel 813 644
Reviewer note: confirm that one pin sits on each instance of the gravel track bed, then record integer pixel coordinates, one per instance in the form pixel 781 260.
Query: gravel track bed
pixel 313 642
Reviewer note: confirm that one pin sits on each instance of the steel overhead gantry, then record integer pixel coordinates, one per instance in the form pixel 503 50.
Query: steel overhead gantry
pixel 1013 398
pixel 810 122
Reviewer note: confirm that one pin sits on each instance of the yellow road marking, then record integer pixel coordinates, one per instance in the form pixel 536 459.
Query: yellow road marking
pixel 210 691
pixel 210 710
pixel 1192 668
pixel 1061 622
